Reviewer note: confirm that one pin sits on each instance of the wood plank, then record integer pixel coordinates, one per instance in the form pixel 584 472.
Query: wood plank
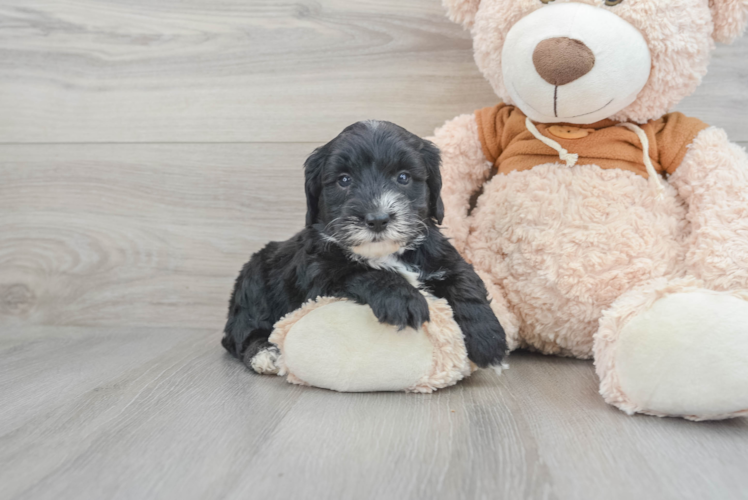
pixel 140 427
pixel 228 70
pixel 44 367
pixel 192 423
pixel 540 431
pixel 260 70
pixel 149 235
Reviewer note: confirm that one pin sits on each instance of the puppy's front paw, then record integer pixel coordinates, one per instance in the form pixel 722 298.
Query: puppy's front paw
pixel 263 359
pixel 401 308
pixel 484 337
pixel 486 347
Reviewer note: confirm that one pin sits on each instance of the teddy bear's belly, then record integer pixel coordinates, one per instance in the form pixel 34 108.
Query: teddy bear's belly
pixel 563 243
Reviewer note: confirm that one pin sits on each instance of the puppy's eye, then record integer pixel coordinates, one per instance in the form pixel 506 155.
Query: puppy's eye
pixel 547 1
pixel 344 180
pixel 403 178
pixel 613 3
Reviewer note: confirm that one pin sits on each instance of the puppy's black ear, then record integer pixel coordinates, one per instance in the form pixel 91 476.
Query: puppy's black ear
pixel 313 167
pixel 432 160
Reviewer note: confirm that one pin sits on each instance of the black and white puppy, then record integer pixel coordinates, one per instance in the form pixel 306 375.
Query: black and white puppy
pixel 373 202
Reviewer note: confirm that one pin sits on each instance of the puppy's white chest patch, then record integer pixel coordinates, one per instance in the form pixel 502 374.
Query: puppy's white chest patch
pixel 376 250
pixel 392 263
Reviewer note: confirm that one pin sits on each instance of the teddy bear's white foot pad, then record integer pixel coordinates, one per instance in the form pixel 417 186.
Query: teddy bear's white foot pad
pixel 340 345
pixel 343 347
pixel 687 355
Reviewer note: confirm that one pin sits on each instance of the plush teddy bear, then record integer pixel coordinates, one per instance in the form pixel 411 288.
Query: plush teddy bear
pixel 604 226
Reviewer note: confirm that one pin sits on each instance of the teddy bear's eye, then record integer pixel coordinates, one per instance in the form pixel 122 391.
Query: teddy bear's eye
pixel 612 3
pixel 547 1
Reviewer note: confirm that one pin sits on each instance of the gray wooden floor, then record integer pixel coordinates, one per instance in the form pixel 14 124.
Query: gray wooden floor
pixel 146 149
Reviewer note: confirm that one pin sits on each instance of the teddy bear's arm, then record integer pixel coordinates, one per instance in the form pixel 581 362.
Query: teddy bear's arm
pixel 713 181
pixel 464 169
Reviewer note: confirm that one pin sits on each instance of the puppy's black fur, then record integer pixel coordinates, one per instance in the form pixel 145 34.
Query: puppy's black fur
pixel 374 184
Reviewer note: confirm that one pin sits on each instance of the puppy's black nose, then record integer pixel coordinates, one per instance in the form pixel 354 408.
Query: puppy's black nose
pixel 377 222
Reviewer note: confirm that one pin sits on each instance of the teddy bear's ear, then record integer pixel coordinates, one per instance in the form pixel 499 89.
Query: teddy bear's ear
pixel 730 19
pixel 462 11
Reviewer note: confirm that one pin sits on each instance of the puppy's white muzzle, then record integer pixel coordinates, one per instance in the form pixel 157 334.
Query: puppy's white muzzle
pixel 395 237
pixel 574 63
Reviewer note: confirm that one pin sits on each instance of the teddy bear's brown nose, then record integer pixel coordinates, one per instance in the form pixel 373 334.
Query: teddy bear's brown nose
pixel 562 60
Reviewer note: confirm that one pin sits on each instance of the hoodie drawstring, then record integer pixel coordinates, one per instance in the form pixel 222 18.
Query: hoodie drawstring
pixel 571 159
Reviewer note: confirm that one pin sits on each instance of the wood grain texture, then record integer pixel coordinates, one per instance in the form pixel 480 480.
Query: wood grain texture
pixel 260 70
pixel 149 235
pixel 228 70
pixel 189 422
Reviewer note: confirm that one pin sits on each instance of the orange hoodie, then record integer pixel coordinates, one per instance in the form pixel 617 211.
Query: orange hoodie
pixel 509 145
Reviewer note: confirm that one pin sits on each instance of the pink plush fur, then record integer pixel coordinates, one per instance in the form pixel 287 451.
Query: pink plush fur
pixel 730 19
pixel 462 11
pixel 713 181
pixel 468 170
pixel 450 355
pixel 564 244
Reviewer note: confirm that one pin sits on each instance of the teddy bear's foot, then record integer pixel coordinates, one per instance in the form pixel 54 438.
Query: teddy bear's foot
pixel 676 350
pixel 340 345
